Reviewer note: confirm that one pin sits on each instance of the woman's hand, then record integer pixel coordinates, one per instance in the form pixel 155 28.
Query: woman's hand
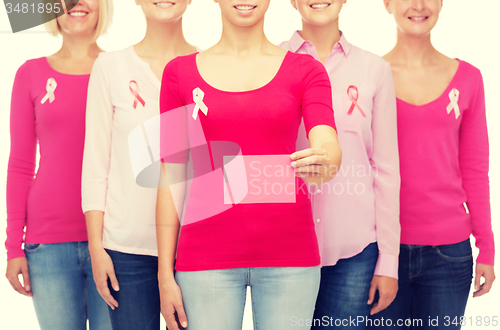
pixel 488 273
pixel 172 308
pixel 321 162
pixel 387 288
pixel 102 269
pixel 15 267
pixel 311 163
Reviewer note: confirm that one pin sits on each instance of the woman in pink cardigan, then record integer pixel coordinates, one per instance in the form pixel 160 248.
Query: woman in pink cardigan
pixel 444 157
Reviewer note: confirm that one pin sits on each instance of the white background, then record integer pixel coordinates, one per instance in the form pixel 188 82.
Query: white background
pixel 467 30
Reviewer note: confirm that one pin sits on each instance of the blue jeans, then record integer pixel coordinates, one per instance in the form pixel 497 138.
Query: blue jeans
pixel 64 292
pixel 343 291
pixel 434 284
pixel 139 295
pixel 282 297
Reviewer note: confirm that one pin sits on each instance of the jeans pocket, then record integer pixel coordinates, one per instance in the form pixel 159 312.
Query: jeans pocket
pixel 455 252
pixel 32 247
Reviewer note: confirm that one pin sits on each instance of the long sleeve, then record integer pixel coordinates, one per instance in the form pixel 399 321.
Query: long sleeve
pixel 22 161
pixel 316 94
pixel 474 166
pixel 97 151
pixel 385 162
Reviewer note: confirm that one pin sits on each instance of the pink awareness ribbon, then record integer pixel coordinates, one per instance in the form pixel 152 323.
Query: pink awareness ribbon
pixel 454 94
pixel 353 94
pixel 198 95
pixel 50 88
pixel 134 88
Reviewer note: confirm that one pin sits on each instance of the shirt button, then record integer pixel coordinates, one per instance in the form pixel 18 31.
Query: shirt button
pixel 318 220
pixel 319 191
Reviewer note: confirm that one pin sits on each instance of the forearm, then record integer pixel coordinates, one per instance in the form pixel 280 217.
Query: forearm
pixel 169 206
pixel 166 235
pixel 335 154
pixel 167 231
pixel 95 225
pixel 386 187
pixel 325 138
pixel 20 173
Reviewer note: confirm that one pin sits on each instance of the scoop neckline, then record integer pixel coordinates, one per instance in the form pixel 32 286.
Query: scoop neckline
pixel 241 92
pixel 445 92
pixel 46 61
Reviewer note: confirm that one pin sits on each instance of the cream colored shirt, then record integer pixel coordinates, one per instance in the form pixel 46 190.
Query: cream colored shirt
pixel 123 93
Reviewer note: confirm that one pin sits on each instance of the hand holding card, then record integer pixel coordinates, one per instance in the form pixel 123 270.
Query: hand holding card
pixel 311 162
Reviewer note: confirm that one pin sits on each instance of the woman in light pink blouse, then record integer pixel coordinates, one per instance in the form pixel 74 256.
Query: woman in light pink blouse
pixel 444 157
pixel 357 213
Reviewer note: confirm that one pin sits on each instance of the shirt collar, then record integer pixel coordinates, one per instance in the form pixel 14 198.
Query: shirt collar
pixel 296 42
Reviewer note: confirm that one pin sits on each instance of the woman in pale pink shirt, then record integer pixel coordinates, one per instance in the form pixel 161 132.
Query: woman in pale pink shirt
pixel 357 213
pixel 44 208
pixel 444 157
pixel 123 97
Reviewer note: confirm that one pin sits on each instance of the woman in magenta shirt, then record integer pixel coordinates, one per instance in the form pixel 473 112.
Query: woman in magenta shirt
pixel 48 109
pixel 443 146
pixel 244 96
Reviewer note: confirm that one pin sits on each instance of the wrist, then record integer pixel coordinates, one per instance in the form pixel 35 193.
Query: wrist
pixel 95 247
pixel 165 279
pixel 165 274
